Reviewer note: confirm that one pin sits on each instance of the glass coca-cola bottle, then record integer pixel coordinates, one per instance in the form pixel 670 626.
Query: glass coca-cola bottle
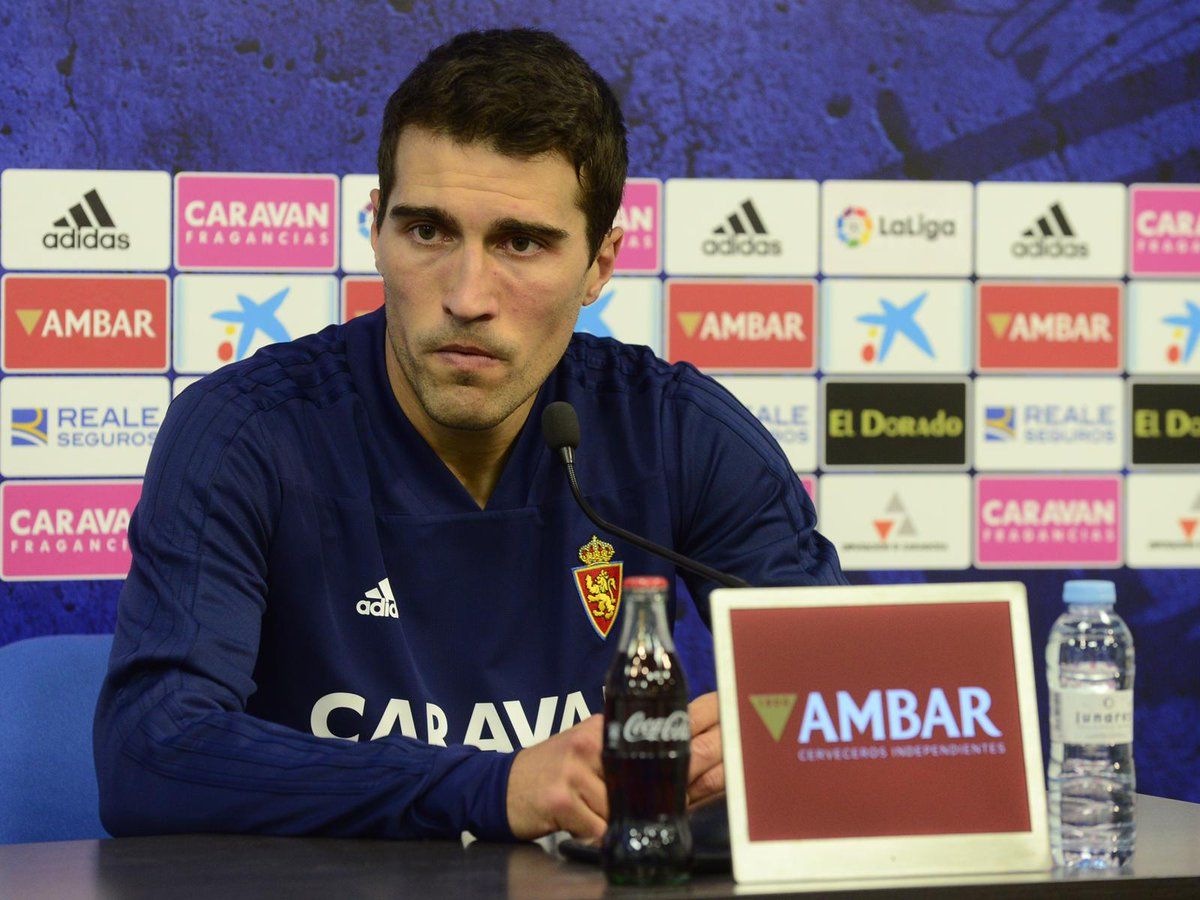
pixel 647 746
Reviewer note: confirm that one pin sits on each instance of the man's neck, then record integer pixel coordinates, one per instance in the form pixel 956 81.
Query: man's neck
pixel 475 458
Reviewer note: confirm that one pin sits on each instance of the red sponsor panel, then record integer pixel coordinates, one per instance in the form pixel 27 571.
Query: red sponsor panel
pixel 741 326
pixel 847 731
pixel 85 323
pixel 361 296
pixel 1049 327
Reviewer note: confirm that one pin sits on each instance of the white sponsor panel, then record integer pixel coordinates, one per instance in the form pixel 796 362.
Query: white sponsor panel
pixel 1163 324
pixel 909 326
pixel 1163 521
pixel 1027 424
pixel 629 309
pixel 1050 228
pixel 896 228
pixel 889 521
pixel 787 407
pixel 181 383
pixel 357 255
pixel 221 319
pixel 724 226
pixel 84 219
pixel 85 425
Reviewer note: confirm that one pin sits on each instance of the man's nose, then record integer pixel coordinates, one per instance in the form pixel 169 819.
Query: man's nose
pixel 471 293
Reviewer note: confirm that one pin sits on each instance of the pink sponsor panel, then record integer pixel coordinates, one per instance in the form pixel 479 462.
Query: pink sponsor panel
pixel 1164 230
pixel 640 217
pixel 810 487
pixel 66 530
pixel 260 222
pixel 1048 521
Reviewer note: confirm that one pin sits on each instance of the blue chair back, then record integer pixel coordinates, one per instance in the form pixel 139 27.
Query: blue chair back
pixel 48 691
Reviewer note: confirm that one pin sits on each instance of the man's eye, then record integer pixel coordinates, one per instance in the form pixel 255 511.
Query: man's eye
pixel 522 244
pixel 425 232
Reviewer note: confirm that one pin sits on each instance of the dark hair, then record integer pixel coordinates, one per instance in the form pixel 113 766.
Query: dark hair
pixel 524 92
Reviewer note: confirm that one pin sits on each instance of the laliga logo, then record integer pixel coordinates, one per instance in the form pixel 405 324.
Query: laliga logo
pixel 854 226
pixel 896 714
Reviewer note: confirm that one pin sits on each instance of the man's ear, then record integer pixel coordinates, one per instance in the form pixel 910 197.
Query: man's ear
pixel 375 224
pixel 604 264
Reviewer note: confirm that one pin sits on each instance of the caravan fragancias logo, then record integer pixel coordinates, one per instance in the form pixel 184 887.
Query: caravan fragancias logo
pixel 87 225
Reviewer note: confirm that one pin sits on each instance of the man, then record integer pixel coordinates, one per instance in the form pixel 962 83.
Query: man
pixel 360 534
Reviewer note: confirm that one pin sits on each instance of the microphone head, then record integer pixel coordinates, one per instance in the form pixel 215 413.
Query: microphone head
pixel 560 425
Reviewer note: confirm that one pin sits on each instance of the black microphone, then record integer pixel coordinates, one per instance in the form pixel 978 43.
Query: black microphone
pixel 560 428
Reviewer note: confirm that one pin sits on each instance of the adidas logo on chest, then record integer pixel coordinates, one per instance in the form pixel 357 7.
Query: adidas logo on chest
pixel 379 601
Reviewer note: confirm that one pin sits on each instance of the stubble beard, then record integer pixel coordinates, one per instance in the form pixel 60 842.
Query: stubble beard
pixel 461 402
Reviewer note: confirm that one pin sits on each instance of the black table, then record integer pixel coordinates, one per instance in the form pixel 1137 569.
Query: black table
pixel 1167 864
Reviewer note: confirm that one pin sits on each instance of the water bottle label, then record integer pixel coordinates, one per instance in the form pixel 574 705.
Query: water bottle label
pixel 1091 717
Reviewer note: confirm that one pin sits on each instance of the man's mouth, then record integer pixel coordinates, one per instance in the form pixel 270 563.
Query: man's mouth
pixel 464 356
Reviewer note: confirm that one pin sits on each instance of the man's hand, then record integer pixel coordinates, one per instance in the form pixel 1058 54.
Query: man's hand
pixel 558 785
pixel 706 774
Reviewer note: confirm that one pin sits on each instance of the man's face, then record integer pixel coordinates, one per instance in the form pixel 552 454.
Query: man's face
pixel 484 259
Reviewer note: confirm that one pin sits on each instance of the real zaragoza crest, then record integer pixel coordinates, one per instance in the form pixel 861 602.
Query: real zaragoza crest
pixel 598 581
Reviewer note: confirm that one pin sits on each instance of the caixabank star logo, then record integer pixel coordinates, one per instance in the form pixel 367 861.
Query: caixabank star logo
pixel 598 582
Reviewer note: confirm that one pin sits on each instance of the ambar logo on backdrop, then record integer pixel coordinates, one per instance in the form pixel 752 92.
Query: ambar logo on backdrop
pixel 1048 521
pixel 896 423
pixel 259 221
pixel 85 323
pixel 741 326
pixel 1166 229
pixel 1049 327
pixel 1165 423
pixel 64 530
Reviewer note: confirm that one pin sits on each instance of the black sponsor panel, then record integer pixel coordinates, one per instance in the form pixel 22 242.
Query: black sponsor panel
pixel 884 423
pixel 1165 424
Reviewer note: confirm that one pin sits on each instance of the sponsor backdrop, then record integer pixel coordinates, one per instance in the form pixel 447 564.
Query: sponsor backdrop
pixel 947 252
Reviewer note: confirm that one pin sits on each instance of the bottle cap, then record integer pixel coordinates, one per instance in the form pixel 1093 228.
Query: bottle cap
pixel 645 583
pixel 1103 593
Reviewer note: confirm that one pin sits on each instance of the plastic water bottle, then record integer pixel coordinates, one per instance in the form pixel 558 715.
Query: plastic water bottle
pixel 1089 669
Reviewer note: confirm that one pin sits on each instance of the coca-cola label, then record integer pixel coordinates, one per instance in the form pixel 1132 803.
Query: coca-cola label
pixel 663 729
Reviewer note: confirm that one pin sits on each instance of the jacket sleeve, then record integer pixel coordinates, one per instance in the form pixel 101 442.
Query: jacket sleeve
pixel 741 508
pixel 175 750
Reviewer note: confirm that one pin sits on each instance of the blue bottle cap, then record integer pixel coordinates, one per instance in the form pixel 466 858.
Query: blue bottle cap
pixel 1094 593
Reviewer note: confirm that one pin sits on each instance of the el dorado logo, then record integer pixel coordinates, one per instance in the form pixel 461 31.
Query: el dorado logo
pixel 1166 423
pixel 887 423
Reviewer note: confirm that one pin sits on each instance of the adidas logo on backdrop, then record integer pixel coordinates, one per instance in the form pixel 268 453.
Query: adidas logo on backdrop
pixel 743 233
pixel 97 231
pixel 378 601
pixel 1051 235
